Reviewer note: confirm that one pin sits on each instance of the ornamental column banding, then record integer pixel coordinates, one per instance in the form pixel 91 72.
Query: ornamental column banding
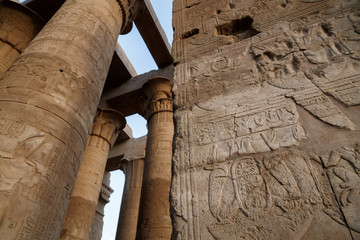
pixel 154 215
pixel 18 26
pixel 84 198
pixel 130 202
pixel 48 99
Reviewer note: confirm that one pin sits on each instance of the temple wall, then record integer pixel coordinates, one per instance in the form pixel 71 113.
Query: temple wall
pixel 267 118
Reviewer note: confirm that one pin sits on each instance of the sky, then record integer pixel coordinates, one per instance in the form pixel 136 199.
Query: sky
pixel 138 54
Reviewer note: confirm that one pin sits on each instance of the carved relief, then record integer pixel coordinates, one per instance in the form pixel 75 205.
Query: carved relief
pixel 243 126
pixel 275 194
pixel 197 21
pixel 343 170
pixel 18 27
pixel 304 60
pixel 48 100
pixel 245 71
pixel 306 64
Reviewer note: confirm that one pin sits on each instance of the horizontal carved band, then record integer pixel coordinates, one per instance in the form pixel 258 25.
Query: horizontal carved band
pixel 159 105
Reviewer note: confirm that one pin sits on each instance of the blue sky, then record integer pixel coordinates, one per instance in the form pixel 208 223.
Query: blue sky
pixel 137 52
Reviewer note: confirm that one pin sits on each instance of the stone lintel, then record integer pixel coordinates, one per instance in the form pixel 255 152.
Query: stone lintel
pixel 153 34
pixel 133 148
pixel 120 70
pixel 125 134
pixel 119 98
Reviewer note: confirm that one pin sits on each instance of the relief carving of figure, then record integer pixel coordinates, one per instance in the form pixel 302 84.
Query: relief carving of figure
pixel 344 174
pixel 252 191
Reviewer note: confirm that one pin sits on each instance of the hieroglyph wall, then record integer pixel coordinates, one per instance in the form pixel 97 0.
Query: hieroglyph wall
pixel 267 118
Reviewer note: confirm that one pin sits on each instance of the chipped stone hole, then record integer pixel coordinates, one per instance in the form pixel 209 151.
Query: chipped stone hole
pixel 285 3
pixel 237 26
pixel 190 33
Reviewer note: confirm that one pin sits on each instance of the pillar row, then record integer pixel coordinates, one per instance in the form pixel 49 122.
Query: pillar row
pixel 129 211
pixel 19 25
pixel 154 215
pixel 84 199
pixel 48 99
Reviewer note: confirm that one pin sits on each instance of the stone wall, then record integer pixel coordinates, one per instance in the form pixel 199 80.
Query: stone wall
pixel 267 117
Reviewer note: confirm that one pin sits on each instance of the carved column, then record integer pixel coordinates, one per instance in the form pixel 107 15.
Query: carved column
pixel 88 182
pixel 130 202
pixel 154 216
pixel 48 99
pixel 18 26
pixel 104 198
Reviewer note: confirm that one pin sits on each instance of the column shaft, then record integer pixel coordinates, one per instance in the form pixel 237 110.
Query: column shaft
pixel 84 199
pixel 48 99
pixel 130 202
pixel 19 25
pixel 154 216
pixel 104 198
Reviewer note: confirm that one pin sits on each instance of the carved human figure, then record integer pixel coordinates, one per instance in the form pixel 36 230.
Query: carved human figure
pixel 52 90
pixel 84 199
pixel 154 216
pixel 251 191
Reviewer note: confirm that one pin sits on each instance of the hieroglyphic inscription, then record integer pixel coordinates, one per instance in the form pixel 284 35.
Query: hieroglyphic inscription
pixel 18 27
pixel 258 125
pixel 250 191
pixel 307 64
pixel 48 99
pixel 206 16
pixel 240 92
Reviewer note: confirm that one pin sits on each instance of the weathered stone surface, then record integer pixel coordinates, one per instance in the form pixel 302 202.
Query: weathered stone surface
pixel 266 97
pixel 154 216
pixel 88 184
pixel 343 170
pixel 18 26
pixel 48 99
pixel 104 198
pixel 130 203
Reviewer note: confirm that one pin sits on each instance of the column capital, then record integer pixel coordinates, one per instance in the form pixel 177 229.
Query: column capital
pixel 127 160
pixel 107 124
pixel 128 9
pixel 158 96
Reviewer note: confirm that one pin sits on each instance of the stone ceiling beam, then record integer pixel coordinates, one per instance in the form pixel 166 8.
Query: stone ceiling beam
pixel 153 34
pixel 131 149
pixel 120 70
pixel 127 98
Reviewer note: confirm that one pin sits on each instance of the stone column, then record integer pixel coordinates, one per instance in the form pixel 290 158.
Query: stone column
pixel 130 202
pixel 154 216
pixel 88 182
pixel 18 26
pixel 104 198
pixel 48 99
